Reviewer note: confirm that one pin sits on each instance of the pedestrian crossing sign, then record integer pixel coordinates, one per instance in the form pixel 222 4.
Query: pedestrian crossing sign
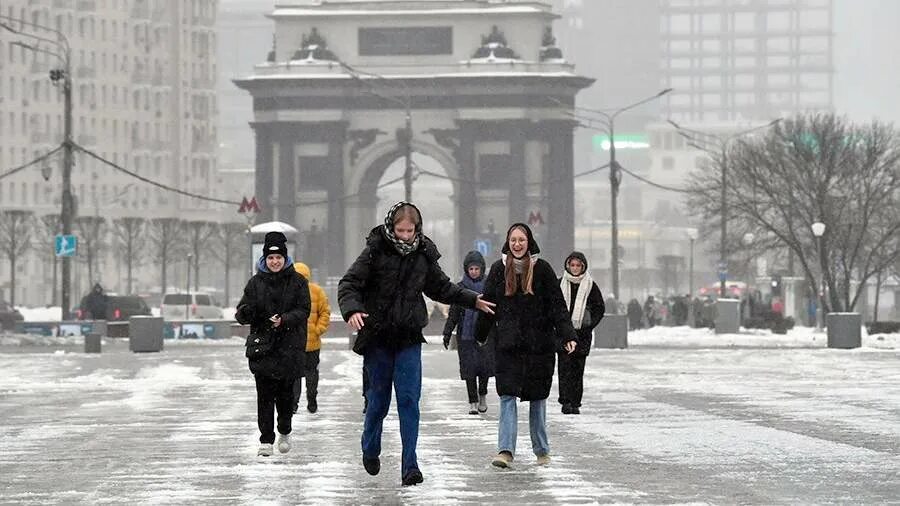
pixel 66 245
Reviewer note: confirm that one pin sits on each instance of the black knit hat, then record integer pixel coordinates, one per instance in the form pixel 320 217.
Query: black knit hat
pixel 533 248
pixel 275 244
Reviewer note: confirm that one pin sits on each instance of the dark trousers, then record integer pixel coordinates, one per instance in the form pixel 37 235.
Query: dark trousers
pixel 311 373
pixel 481 388
pixel 401 368
pixel 571 378
pixel 272 394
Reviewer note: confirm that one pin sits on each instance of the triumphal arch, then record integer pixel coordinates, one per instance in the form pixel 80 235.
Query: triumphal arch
pixel 477 85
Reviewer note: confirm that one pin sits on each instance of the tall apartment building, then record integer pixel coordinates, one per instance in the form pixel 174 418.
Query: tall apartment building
pixel 746 60
pixel 144 97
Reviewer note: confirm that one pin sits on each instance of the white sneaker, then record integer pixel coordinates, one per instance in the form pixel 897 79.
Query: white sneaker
pixel 284 443
pixel 473 408
pixel 265 450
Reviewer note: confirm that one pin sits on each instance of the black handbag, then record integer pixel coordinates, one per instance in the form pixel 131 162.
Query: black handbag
pixel 260 344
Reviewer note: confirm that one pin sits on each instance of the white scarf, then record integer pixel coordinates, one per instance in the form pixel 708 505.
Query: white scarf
pixel 585 283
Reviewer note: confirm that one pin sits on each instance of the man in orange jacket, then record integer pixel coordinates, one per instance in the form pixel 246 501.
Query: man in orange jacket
pixel 319 319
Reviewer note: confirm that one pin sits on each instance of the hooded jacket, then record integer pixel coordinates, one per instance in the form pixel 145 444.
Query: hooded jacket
pixel 594 309
pixel 528 328
pixel 319 313
pixel 388 287
pixel 286 294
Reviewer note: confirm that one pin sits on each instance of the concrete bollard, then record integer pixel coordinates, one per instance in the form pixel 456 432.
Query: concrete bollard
pixel 92 343
pixel 145 334
pixel 728 316
pixel 611 332
pixel 844 330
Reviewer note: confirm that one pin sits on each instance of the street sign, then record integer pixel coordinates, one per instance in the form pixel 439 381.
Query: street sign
pixel 723 276
pixel 483 246
pixel 65 245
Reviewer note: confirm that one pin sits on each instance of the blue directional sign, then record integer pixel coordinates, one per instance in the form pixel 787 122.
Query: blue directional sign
pixel 483 246
pixel 66 245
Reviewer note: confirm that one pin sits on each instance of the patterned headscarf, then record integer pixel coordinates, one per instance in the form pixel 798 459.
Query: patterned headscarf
pixel 402 247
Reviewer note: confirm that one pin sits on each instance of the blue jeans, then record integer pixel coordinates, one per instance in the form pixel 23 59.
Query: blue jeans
pixel 537 425
pixel 403 369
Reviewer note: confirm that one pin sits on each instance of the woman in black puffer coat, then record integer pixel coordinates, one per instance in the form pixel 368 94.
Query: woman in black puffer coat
pixel 381 297
pixel 530 324
pixel 276 301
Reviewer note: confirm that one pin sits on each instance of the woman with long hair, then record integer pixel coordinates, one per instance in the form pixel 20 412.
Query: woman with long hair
pixel 531 322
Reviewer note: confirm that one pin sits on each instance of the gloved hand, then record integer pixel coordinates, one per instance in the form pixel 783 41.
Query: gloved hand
pixel 446 341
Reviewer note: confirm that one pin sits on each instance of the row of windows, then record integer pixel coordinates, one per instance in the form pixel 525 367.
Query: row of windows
pixel 803 80
pixel 773 20
pixel 102 196
pixel 795 43
pixel 770 62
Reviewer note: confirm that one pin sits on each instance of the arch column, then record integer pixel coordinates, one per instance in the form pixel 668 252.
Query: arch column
pixel 560 190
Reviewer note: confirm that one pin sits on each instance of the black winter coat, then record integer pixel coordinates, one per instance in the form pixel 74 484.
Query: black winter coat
pixel 287 294
pixel 528 329
pixel 389 287
pixel 594 310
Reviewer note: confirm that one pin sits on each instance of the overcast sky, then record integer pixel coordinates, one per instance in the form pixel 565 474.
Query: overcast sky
pixel 867 78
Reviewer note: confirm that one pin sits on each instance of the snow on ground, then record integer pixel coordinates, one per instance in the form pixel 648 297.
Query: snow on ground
pixel 798 337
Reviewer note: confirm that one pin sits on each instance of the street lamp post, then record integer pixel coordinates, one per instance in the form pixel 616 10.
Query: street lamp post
pixel 615 180
pixel 692 236
pixel 818 230
pixel 718 147
pixel 63 54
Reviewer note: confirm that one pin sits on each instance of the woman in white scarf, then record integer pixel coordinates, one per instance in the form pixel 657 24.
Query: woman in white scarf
pixel 585 304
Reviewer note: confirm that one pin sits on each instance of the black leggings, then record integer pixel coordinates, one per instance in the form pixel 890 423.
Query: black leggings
pixel 482 388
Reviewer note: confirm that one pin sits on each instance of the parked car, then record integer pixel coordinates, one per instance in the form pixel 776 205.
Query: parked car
pixel 9 316
pixel 118 308
pixel 189 306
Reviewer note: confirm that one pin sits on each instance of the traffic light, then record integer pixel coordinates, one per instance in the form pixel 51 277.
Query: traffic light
pixel 776 286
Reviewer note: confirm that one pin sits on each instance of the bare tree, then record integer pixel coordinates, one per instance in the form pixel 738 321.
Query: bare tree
pixel 92 234
pixel 130 236
pixel 52 225
pixel 166 239
pixel 230 241
pixel 814 168
pixel 15 238
pixel 199 233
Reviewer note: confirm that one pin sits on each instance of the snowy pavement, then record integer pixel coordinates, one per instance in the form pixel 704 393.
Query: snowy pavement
pixel 660 424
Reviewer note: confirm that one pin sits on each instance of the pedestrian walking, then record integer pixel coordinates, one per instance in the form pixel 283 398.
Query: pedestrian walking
pixel 276 306
pixel 530 323
pixel 635 315
pixel 476 363
pixel 316 326
pixel 586 309
pixel 380 297
pixel 93 305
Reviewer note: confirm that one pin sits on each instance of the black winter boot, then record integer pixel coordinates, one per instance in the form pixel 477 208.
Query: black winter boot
pixel 373 465
pixel 413 477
